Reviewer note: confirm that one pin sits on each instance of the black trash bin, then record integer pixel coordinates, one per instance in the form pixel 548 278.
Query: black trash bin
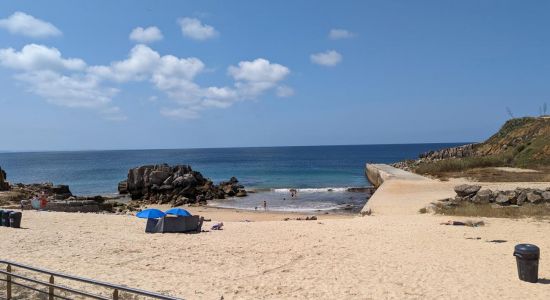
pixel 6 218
pixel 15 219
pixel 527 259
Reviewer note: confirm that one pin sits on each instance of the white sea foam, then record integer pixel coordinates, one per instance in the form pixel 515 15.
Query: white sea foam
pixel 312 190
pixel 279 208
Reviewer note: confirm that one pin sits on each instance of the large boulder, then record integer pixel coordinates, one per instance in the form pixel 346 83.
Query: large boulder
pixel 483 196
pixel 466 190
pixel 232 187
pixel 522 197
pixel 502 198
pixel 177 185
pixel 534 197
pixel 61 192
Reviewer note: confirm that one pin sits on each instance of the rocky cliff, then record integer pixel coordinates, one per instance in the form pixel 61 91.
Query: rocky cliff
pixel 176 185
pixel 521 142
pixel 526 139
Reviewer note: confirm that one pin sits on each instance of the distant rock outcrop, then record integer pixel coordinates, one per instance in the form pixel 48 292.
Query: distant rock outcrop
pixel 176 185
pixel 454 152
pixel 55 192
pixel 520 142
pixel 4 185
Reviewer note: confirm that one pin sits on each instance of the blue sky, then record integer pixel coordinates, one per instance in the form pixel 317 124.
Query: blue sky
pixel 181 74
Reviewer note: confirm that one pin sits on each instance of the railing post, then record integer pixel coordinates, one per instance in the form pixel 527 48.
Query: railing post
pixel 8 282
pixel 115 294
pixel 51 294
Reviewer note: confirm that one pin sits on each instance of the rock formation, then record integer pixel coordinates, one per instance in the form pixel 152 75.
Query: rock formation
pixel 176 185
pixel 4 185
pixel 520 196
pixel 56 192
pixel 523 142
pixel 454 152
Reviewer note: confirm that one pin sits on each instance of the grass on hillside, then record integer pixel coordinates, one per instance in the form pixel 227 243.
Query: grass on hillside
pixel 462 164
pixel 494 211
pixel 520 143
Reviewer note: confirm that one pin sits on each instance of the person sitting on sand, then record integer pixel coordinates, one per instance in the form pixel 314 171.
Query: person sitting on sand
pixel 217 226
pixel 43 200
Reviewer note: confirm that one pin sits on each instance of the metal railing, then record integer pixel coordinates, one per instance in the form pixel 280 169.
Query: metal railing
pixel 22 281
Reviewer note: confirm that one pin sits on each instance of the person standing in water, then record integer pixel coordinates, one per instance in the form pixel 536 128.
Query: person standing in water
pixel 265 205
pixel 293 193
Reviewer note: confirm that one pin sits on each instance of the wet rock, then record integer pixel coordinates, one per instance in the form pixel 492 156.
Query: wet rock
pixel 546 196
pixel 241 193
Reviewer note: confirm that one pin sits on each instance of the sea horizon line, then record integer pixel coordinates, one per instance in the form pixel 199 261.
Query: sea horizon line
pixel 221 147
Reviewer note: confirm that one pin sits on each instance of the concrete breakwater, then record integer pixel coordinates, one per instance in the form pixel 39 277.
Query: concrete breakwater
pixel 400 192
pixel 379 173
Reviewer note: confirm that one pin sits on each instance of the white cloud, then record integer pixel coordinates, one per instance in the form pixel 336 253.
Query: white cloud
pixel 60 81
pixel 37 57
pixel 180 113
pixel 145 63
pixel 252 78
pixel 257 76
pixel 337 34
pixel 137 66
pixel 69 91
pixel 284 91
pixel 329 58
pixel 147 35
pixel 24 24
pixel 71 83
pixel 195 29
pixel 258 70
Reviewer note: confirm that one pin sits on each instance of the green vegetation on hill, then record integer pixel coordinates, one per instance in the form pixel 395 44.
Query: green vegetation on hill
pixel 525 142
pixel 521 143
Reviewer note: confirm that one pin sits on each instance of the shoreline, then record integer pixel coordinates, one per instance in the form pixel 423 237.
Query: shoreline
pixel 236 215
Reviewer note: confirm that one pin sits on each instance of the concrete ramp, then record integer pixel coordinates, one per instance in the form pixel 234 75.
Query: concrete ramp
pixel 400 192
pixel 379 173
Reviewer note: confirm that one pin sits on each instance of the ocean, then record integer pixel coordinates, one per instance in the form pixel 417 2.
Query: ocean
pixel 271 171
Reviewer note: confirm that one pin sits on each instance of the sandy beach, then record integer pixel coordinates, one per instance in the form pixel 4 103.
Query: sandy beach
pixel 404 255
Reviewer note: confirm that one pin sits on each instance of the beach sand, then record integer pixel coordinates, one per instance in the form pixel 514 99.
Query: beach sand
pixel 395 253
pixel 375 257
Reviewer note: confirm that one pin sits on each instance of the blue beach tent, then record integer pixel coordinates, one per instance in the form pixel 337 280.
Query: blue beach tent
pixel 178 212
pixel 151 213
